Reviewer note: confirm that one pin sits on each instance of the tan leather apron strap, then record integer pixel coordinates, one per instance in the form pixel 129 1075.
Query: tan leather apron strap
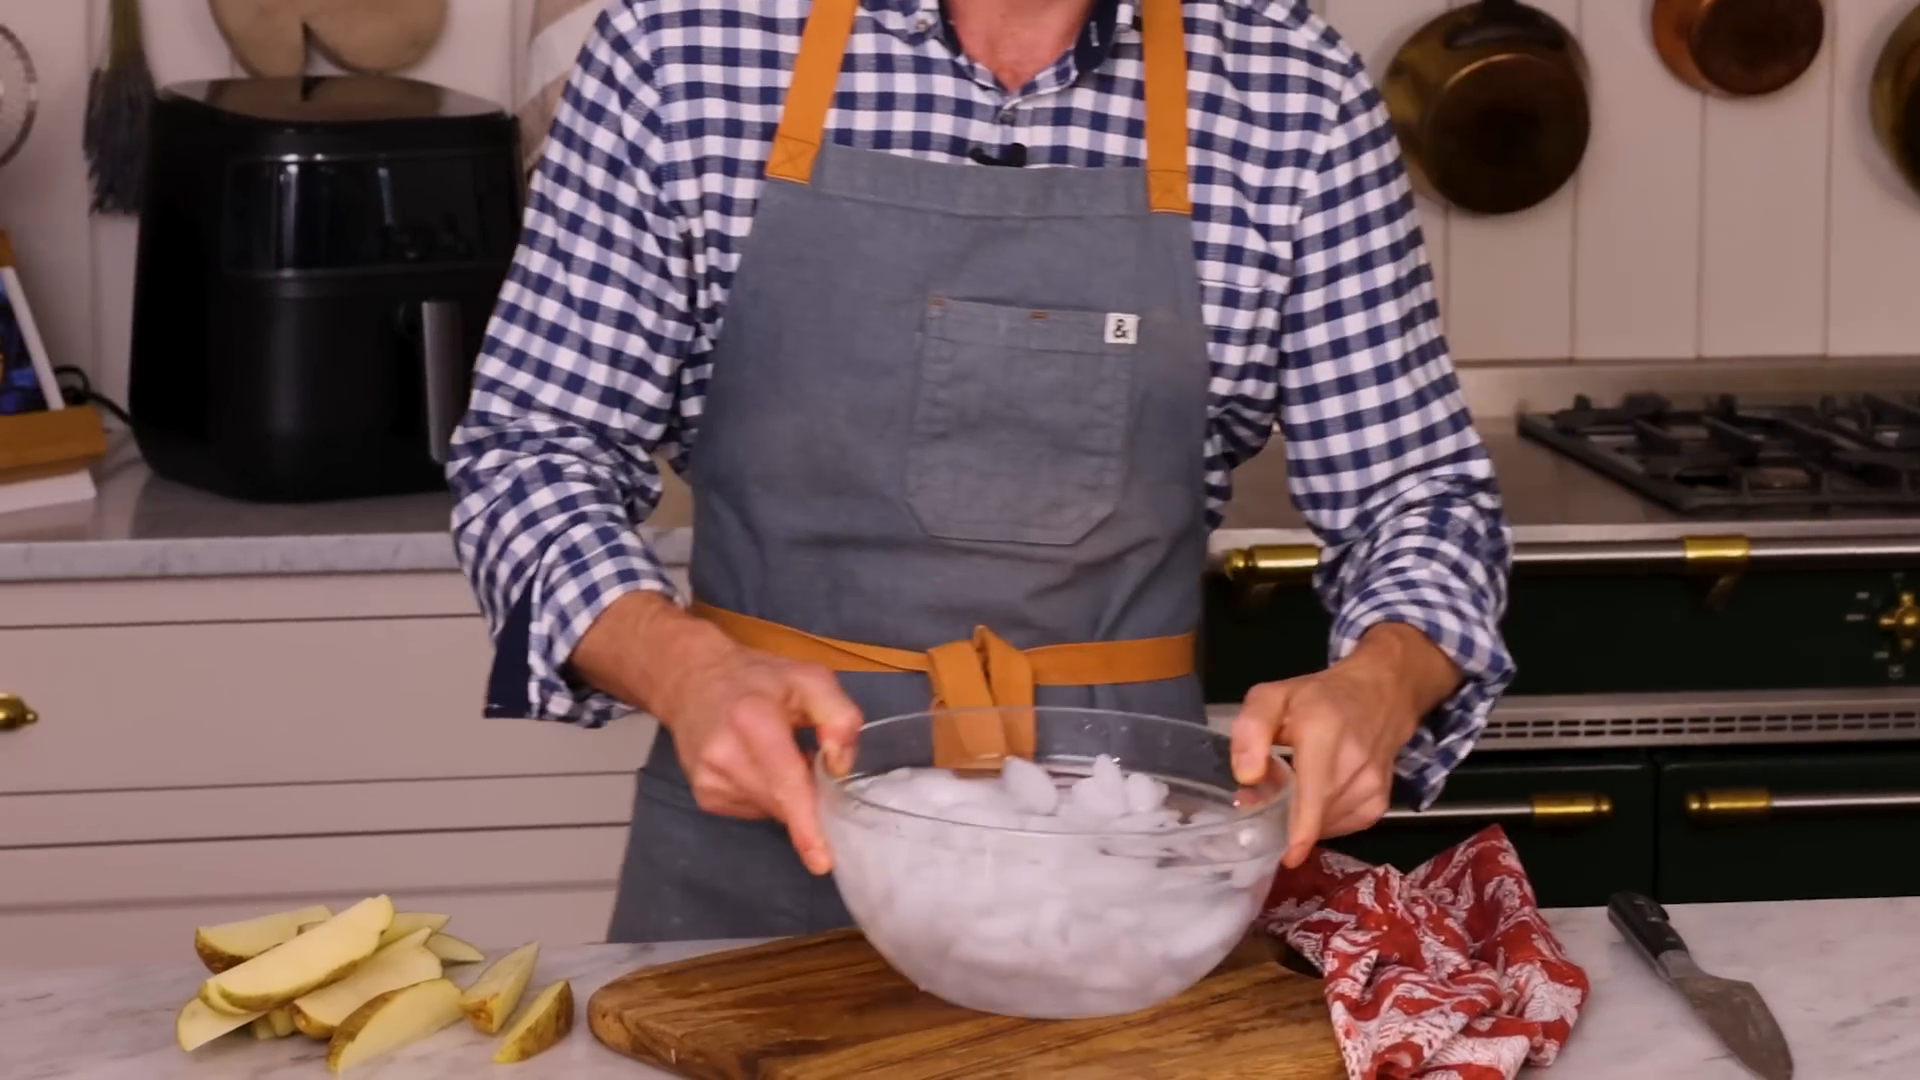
pixel 1163 47
pixel 977 674
pixel 816 71
pixel 823 46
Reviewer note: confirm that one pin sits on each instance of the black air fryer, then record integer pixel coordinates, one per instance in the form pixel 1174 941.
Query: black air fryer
pixel 318 260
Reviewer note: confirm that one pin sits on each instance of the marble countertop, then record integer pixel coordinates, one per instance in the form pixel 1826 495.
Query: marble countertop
pixel 144 526
pixel 1837 974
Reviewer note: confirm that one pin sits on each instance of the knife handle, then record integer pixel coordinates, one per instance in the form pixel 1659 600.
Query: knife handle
pixel 1645 925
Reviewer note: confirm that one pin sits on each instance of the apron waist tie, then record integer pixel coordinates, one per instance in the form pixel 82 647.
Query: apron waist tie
pixel 975 674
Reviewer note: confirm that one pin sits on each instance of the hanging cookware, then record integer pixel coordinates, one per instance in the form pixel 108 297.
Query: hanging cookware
pixel 1738 48
pixel 1894 100
pixel 1490 105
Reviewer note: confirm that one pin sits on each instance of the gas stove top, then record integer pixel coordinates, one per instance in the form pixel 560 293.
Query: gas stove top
pixel 1859 452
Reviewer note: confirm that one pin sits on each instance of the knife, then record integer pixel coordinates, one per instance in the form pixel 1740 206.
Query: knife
pixel 1734 1010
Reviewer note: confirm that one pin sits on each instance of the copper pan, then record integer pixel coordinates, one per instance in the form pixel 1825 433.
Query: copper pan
pixel 1739 48
pixel 1489 102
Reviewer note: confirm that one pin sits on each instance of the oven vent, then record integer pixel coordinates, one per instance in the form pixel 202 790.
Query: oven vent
pixel 1539 723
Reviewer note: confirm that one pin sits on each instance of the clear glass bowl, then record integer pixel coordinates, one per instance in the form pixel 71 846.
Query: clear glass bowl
pixel 1036 920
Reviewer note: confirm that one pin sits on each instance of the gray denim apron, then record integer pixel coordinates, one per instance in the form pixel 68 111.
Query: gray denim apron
pixel 945 396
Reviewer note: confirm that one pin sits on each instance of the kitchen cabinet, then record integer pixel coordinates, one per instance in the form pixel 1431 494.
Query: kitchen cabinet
pixel 1798 823
pixel 1583 823
pixel 211 748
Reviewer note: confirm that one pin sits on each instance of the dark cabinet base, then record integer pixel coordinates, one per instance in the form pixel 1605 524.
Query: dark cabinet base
pixel 1573 859
pixel 1788 823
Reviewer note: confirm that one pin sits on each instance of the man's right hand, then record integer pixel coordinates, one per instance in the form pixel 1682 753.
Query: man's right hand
pixel 732 711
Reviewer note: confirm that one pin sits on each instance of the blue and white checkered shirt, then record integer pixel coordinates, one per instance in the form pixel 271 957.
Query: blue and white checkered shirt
pixel 1315 287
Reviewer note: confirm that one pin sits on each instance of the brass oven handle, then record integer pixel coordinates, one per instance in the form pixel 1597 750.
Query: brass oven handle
pixel 1570 808
pixel 1263 564
pixel 1270 564
pixel 1722 805
pixel 15 713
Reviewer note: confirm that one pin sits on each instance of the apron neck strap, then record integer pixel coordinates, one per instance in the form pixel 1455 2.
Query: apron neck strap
pixel 823 44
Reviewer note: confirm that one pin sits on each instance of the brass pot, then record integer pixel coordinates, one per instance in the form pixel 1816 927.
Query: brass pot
pixel 1894 100
pixel 1489 102
pixel 1738 48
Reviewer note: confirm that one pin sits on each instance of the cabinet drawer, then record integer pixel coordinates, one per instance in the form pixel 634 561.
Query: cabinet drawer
pixel 1574 859
pixel 1793 823
pixel 272 870
pixel 120 935
pixel 261 703
pixel 70 818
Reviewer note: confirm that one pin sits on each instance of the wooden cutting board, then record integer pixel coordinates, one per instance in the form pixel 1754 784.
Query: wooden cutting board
pixel 827 1007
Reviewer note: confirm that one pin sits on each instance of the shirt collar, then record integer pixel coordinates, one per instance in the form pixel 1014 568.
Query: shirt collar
pixel 1106 23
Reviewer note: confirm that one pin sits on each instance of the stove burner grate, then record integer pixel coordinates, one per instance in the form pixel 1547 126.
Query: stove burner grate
pixel 1859 452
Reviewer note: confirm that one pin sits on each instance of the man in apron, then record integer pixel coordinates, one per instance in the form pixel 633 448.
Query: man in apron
pixel 957 318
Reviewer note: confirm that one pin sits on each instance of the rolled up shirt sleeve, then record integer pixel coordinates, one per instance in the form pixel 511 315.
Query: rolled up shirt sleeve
pixel 577 387
pixel 1381 451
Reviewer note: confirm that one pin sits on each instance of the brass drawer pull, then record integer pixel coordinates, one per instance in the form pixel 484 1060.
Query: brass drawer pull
pixel 1270 564
pixel 15 713
pixel 1721 805
pixel 1577 808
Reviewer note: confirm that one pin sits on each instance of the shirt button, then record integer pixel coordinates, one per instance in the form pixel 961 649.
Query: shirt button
pixel 1007 116
pixel 923 24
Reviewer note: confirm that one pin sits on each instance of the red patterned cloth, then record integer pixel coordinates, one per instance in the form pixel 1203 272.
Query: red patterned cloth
pixel 1445 973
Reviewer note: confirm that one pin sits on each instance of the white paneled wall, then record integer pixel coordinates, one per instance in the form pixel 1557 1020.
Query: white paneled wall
pixel 1695 228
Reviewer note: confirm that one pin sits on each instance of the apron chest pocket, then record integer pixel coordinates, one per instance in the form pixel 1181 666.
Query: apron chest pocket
pixel 1020 421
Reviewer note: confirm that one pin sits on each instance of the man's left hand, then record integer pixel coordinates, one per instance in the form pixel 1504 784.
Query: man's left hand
pixel 1346 726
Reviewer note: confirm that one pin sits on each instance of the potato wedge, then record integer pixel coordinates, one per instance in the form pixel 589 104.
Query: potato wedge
pixel 304 964
pixel 262 1027
pixel 226 945
pixel 454 950
pixel 492 997
pixel 406 922
pixel 400 964
pixel 197 1025
pixel 209 996
pixel 546 1020
pixel 282 1021
pixel 393 1020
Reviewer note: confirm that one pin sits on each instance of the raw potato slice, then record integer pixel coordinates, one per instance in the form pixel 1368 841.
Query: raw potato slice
pixel 393 1020
pixel 282 1021
pixel 491 998
pixel 210 997
pixel 197 1025
pixel 542 1023
pixel 306 963
pixel 228 945
pixel 400 964
pixel 406 922
pixel 454 950
pixel 262 1026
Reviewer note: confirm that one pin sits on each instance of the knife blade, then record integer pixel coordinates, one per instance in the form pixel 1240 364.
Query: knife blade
pixel 1733 1010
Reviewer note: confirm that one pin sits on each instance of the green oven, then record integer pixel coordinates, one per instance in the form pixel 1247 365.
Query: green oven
pixel 1691 727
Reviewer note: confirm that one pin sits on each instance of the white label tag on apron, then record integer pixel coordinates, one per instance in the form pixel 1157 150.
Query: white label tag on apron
pixel 1122 329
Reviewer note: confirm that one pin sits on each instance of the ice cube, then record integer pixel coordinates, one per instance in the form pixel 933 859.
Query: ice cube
pixel 1101 796
pixel 1148 821
pixel 1145 793
pixel 984 813
pixel 1193 931
pixel 1030 786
